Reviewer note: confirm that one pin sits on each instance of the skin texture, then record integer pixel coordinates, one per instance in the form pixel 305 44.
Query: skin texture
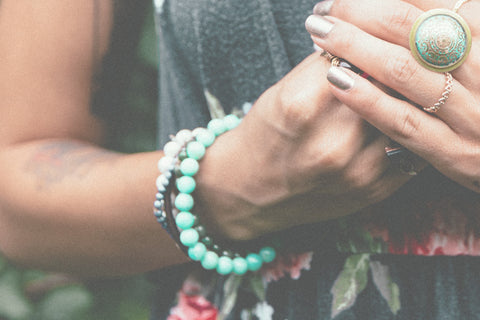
pixel 378 44
pixel 69 204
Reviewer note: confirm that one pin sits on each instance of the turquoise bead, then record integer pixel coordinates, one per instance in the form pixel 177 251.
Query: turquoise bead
pixel 210 260
pixel 216 126
pixel 197 252
pixel 184 202
pixel 268 254
pixel 240 265
pixel 254 261
pixel 225 265
pixel 206 137
pixel 186 184
pixel 195 150
pixel 189 237
pixel 231 121
pixel 185 220
pixel 189 167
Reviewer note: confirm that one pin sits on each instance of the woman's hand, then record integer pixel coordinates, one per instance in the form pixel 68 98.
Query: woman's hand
pixel 374 36
pixel 299 156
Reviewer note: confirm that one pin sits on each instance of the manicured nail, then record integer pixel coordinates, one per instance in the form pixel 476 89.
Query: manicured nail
pixel 318 25
pixel 323 8
pixel 339 78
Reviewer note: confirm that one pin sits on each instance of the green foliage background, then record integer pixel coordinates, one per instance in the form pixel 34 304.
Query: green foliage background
pixel 36 295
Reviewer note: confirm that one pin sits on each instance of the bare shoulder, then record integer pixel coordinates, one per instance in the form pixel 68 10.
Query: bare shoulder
pixel 49 51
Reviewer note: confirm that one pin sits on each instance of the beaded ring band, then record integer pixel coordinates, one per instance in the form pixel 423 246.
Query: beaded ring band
pixel 182 156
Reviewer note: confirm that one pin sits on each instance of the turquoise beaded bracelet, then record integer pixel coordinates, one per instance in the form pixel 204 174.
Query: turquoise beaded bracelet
pixel 186 149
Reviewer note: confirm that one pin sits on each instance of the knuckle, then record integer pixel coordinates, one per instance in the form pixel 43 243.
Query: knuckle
pixel 333 159
pixel 356 180
pixel 342 37
pixel 401 19
pixel 294 106
pixel 400 68
pixel 407 125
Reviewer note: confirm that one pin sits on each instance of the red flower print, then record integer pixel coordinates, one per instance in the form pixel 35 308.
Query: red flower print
pixel 193 307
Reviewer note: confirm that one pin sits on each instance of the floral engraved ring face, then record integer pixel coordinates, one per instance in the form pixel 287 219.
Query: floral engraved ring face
pixel 440 40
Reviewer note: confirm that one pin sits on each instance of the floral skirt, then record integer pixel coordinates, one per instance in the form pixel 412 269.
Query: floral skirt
pixel 330 286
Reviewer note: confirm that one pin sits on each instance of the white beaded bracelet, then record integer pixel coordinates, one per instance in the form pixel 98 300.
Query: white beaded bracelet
pixel 184 152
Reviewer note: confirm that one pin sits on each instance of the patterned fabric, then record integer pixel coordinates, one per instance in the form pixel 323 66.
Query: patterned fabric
pixel 374 264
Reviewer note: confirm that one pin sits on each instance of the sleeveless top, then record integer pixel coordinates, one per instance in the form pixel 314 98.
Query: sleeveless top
pixel 216 57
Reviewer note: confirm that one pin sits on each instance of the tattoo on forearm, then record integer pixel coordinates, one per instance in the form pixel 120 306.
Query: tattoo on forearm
pixel 55 161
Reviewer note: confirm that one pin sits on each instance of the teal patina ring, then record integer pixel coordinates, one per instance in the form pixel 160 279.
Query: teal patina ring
pixel 440 40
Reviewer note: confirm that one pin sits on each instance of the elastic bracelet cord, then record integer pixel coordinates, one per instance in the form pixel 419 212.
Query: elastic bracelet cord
pixel 182 156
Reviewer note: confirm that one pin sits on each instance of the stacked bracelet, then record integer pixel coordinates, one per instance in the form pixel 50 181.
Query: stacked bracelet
pixel 181 160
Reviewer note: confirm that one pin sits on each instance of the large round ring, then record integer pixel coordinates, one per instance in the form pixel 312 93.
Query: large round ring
pixel 440 40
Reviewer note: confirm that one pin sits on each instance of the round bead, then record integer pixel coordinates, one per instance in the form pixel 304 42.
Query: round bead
pixel 189 237
pixel 184 202
pixel 189 167
pixel 158 213
pixel 216 126
pixel 231 121
pixel 182 155
pixel 210 260
pixel 183 136
pixel 268 254
pixel 162 180
pixel 171 149
pixel 254 261
pixel 165 164
pixel 240 265
pixel 205 137
pixel 186 184
pixel 197 251
pixel 167 174
pixel 246 107
pixel 207 241
pixel 185 220
pixel 158 204
pixel 195 150
pixel 228 253
pixel 225 265
pixel 201 230
pixel 159 183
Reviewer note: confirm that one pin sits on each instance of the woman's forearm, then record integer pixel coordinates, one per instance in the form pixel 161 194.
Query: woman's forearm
pixel 71 206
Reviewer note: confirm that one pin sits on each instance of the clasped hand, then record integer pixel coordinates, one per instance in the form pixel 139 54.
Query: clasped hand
pixel 374 36
pixel 300 156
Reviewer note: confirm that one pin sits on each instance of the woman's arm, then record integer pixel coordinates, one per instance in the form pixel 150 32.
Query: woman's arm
pixel 65 202
pixel 68 204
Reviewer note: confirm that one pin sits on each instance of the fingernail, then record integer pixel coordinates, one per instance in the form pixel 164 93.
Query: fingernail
pixel 318 26
pixel 323 8
pixel 339 78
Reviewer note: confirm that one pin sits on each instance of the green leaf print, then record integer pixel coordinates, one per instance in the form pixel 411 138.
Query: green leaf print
pixel 384 283
pixel 350 282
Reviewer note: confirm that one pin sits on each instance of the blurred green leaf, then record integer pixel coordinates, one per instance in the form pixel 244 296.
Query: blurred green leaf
pixel 67 303
pixel 13 305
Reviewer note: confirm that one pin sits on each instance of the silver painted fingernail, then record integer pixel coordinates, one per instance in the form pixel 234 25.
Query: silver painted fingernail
pixel 323 8
pixel 318 25
pixel 339 78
